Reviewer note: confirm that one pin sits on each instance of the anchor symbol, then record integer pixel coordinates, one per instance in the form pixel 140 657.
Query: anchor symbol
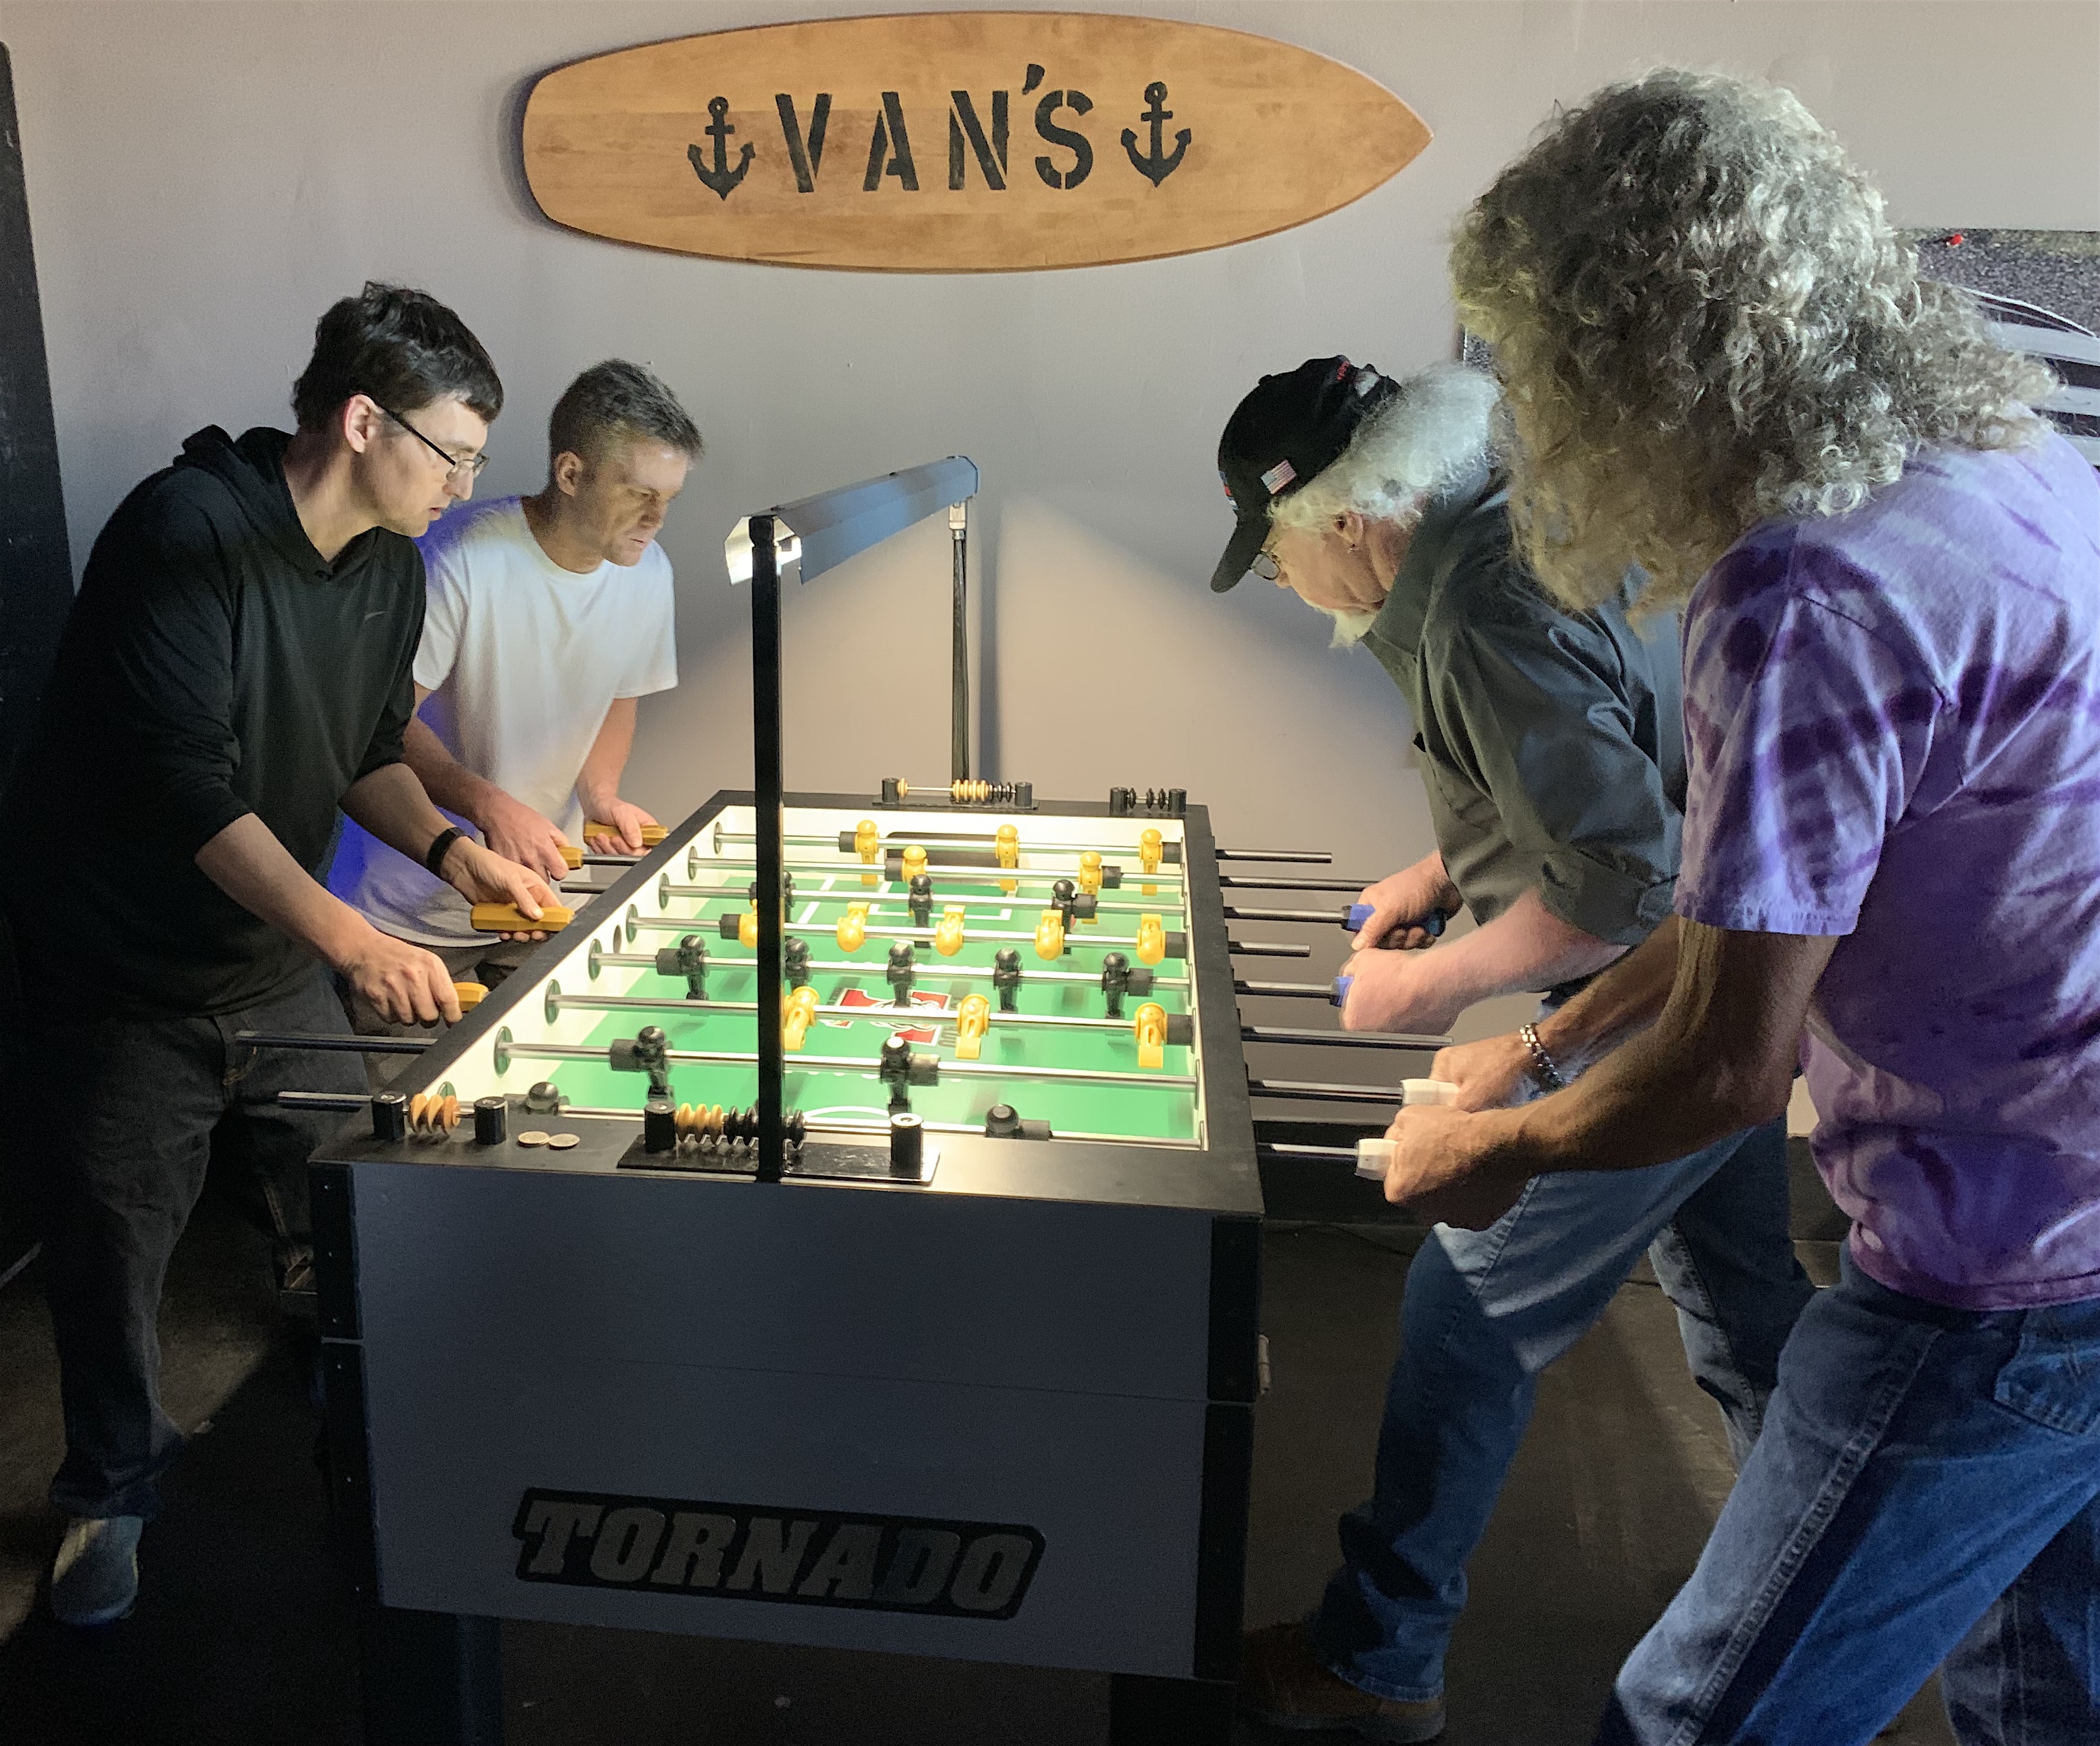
pixel 1159 166
pixel 722 178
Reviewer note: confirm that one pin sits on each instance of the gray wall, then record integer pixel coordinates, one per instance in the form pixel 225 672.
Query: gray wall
pixel 205 178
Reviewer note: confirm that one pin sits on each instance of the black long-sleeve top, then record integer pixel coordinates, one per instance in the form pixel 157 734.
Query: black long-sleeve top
pixel 213 665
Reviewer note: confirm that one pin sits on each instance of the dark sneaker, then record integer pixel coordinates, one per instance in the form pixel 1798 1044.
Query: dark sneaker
pixel 95 1578
pixel 1285 1685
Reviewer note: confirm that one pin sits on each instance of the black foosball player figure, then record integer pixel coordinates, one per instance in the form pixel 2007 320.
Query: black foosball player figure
pixel 922 900
pixel 1115 981
pixel 1064 895
pixel 688 958
pixel 795 963
pixel 896 1073
pixel 903 967
pixel 1006 978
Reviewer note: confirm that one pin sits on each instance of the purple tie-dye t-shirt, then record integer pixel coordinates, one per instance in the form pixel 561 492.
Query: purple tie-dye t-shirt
pixel 1892 719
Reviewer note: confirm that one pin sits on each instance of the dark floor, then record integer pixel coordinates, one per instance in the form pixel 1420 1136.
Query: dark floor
pixel 241 1634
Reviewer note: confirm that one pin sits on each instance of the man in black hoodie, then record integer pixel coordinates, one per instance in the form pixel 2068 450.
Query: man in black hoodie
pixel 236 669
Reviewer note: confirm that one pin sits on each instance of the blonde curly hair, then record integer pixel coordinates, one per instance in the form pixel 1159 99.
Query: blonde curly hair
pixel 1702 318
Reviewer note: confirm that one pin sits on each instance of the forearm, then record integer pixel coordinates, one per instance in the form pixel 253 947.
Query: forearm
pixel 597 783
pixel 247 862
pixel 392 804
pixel 1626 999
pixel 1526 947
pixel 444 780
pixel 1719 1057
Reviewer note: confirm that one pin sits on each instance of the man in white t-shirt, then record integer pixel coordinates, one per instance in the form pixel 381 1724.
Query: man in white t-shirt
pixel 548 617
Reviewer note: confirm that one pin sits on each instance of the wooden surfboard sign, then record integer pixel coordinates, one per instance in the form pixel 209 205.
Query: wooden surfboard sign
pixel 958 141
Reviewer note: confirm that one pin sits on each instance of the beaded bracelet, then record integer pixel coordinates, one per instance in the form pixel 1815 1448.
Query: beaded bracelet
pixel 1550 1074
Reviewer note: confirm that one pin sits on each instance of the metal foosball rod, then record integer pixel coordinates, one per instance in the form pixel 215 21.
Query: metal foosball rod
pixel 1267 948
pixel 1321 1091
pixel 940 970
pixel 851 894
pixel 325 1044
pixel 1343 1039
pixel 937 844
pixel 1310 858
pixel 1116 877
pixel 1246 882
pixel 1286 990
pixel 888 1012
pixel 1114 942
pixel 567 1052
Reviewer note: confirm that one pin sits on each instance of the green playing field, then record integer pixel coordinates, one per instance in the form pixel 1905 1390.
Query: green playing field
pixel 1081 1075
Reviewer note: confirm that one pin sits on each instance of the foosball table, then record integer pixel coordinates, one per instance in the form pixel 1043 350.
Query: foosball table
pixel 845 1232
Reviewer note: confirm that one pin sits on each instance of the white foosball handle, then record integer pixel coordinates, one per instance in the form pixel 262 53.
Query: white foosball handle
pixel 1372 1156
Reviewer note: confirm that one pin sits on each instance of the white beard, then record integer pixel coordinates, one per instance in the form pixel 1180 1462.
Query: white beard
pixel 1349 626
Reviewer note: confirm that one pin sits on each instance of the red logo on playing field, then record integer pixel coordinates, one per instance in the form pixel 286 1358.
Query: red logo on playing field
pixel 921 1000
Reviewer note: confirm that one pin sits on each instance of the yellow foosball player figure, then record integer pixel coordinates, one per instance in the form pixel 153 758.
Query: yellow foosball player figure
pixel 236 669
pixel 801 1009
pixel 972 1020
pixel 547 617
pixel 1050 936
pixel 852 930
pixel 948 936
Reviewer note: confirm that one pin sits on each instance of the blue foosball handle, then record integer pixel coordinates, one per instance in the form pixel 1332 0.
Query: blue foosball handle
pixel 1432 924
pixel 1341 992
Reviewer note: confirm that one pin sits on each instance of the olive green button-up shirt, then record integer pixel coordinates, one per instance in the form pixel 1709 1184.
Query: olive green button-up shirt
pixel 1551 742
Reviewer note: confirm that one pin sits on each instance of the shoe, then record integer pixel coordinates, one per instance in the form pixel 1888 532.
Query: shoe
pixel 95 1578
pixel 1285 1685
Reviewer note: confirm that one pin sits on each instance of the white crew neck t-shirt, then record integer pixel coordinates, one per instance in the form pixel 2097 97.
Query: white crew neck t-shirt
pixel 523 659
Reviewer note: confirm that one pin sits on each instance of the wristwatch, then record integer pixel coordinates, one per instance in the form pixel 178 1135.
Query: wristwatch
pixel 441 845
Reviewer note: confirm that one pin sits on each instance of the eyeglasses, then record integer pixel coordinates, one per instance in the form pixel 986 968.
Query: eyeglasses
pixel 1265 566
pixel 471 466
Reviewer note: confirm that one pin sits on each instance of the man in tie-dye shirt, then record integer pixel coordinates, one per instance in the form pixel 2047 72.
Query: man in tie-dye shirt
pixel 1720 361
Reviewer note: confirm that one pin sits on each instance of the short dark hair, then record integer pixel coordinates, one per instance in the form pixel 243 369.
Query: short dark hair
pixel 615 399
pixel 401 347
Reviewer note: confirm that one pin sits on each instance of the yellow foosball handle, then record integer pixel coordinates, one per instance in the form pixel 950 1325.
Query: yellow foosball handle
pixel 747 928
pixel 468 994
pixel 948 935
pixel 915 862
pixel 507 917
pixel 971 1020
pixel 1150 1030
pixel 853 928
pixel 651 835
pixel 1006 844
pixel 572 857
pixel 801 1011
pixel 867 844
pixel 1149 851
pixel 1090 871
pixel 1050 936
pixel 1151 940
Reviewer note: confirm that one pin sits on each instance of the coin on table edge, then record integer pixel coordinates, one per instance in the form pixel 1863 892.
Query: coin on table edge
pixel 533 1137
pixel 563 1142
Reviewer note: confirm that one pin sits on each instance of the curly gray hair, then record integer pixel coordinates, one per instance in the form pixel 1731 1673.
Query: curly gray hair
pixel 1702 318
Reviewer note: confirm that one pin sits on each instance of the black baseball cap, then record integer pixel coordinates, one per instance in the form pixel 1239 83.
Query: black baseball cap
pixel 1291 429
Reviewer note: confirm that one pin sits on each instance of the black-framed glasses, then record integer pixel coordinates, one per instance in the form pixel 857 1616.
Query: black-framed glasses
pixel 1265 566
pixel 471 466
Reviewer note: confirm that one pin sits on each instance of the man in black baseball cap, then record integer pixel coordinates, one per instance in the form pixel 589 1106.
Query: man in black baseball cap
pixel 1292 428
pixel 1550 748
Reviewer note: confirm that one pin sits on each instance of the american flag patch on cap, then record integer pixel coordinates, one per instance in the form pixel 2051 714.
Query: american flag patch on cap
pixel 1278 477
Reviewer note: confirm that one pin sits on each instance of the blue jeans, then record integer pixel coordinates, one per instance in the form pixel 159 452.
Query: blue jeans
pixel 1925 1489
pixel 1486 1310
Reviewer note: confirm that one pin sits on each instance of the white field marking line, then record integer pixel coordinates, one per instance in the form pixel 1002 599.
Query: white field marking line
pixel 807 916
